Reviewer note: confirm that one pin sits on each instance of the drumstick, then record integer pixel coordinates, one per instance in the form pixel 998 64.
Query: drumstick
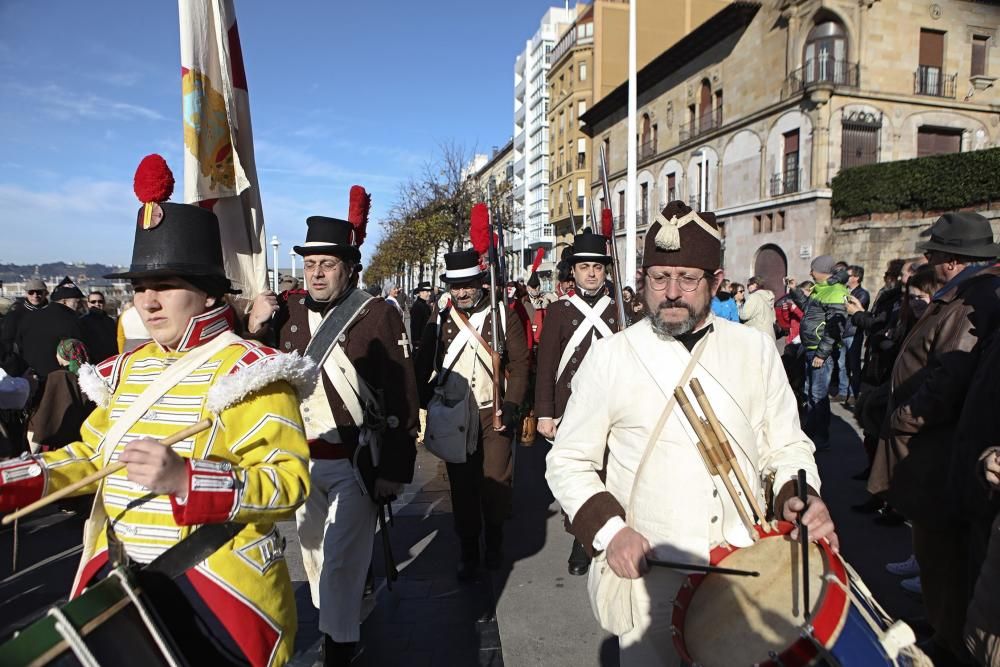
pixel 713 465
pixel 727 450
pixel 194 429
pixel 804 539
pixel 711 569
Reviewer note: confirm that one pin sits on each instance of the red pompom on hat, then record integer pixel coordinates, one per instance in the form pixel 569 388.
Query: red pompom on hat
pixel 154 182
pixel 357 214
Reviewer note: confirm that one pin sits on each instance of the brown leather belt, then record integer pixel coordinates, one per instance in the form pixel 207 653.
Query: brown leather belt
pixel 321 449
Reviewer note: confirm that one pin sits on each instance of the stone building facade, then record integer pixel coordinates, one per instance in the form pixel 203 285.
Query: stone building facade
pixel 761 106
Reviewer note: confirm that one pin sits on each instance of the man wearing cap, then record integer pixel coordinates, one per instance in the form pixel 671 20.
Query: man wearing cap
pixel 930 379
pixel 223 488
pixel 658 499
pixel 455 367
pixel 35 298
pixel 40 331
pixel 824 314
pixel 573 325
pixel 420 311
pixel 365 406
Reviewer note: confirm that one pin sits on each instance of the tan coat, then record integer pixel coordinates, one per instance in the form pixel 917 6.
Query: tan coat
pixel 929 382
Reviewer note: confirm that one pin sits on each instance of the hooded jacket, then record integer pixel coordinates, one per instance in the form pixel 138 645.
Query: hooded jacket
pixel 823 317
pixel 758 312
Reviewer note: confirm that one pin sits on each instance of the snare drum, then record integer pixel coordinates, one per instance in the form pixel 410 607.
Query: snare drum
pixel 107 625
pixel 724 621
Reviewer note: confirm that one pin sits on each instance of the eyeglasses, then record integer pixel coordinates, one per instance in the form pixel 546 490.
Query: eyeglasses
pixel 685 282
pixel 327 264
pixel 36 292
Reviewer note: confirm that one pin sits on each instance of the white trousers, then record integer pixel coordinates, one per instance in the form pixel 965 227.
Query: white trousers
pixel 336 531
pixel 651 642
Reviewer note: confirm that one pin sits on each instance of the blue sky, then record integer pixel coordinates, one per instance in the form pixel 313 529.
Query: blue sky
pixel 340 93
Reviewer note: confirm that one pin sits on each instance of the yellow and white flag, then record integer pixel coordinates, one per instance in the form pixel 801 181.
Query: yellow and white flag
pixel 219 168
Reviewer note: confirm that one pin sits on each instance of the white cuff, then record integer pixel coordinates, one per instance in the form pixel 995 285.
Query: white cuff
pixel 604 536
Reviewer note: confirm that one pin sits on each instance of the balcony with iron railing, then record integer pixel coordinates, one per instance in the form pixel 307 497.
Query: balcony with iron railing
pixel 818 71
pixel 569 167
pixel 647 149
pixel 642 217
pixel 706 122
pixel 559 171
pixel 932 81
pixel 786 183
pixel 581 160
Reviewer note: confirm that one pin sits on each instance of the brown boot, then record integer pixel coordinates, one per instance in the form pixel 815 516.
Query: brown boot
pixel 529 427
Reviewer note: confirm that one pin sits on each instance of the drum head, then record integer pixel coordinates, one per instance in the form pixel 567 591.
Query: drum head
pixel 734 620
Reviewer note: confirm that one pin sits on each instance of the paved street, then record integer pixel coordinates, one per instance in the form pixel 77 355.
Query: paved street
pixel 529 613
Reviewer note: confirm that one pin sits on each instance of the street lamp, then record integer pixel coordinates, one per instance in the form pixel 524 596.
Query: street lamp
pixel 291 253
pixel 274 276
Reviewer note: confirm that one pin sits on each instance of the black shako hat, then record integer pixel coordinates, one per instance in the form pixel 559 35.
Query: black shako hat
pixel 589 247
pixel 461 266
pixel 178 240
pixel 329 236
pixel 964 234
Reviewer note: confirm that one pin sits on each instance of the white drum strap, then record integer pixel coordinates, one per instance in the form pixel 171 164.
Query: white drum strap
pixel 73 638
pixel 153 631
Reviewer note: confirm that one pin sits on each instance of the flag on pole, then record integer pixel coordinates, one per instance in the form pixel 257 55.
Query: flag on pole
pixel 219 169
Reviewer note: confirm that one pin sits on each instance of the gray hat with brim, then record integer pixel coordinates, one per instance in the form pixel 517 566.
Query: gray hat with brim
pixel 963 234
pixel 35 284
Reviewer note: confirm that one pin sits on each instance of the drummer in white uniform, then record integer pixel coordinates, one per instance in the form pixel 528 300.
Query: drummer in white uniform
pixel 675 509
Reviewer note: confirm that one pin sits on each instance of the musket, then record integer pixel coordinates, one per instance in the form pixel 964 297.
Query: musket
pixel 498 229
pixel 609 233
pixel 497 352
pixel 572 218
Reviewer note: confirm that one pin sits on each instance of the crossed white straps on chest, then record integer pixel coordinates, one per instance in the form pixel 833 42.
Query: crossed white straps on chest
pixel 465 337
pixel 592 320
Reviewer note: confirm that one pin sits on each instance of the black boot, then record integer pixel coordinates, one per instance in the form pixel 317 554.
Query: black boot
pixel 494 546
pixel 579 561
pixel 337 654
pixel 468 568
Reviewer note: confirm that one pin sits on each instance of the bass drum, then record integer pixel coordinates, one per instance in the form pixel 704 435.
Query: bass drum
pixel 726 621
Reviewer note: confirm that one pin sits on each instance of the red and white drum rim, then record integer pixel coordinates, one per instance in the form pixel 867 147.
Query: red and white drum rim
pixel 826 622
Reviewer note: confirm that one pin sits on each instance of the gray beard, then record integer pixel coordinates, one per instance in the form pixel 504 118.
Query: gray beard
pixel 666 331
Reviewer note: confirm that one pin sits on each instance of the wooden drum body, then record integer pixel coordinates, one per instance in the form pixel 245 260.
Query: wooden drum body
pixel 724 621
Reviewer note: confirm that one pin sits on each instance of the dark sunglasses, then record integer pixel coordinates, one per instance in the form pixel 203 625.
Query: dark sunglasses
pixel 36 292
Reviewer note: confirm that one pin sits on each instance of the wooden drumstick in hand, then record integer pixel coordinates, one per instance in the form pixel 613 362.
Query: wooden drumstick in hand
pixel 169 441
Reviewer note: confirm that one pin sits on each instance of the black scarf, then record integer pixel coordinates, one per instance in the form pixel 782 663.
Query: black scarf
pixel 323 306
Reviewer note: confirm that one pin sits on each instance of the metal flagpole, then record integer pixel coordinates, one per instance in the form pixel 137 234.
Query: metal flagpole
pixel 633 149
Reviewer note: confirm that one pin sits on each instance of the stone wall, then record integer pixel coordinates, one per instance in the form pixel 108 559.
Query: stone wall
pixel 871 241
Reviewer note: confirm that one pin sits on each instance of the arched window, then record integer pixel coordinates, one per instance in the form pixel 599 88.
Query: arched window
pixel 825 55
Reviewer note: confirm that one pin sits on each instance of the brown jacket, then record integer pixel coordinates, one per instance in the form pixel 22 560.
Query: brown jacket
pixel 514 363
pixel 929 383
pixel 562 321
pixel 372 344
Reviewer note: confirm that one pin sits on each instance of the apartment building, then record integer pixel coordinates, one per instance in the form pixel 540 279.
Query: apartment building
pixel 755 111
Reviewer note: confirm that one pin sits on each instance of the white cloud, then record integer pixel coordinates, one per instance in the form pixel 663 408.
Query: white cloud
pixel 64 104
pixel 87 219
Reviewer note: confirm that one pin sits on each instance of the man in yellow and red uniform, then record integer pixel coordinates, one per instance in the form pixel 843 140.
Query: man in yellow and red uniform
pixel 250 467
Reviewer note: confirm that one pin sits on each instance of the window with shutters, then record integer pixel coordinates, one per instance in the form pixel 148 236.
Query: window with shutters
pixel 860 136
pixel 671 186
pixel 930 79
pixel 787 180
pixel 980 44
pixel 643 203
pixel 938 140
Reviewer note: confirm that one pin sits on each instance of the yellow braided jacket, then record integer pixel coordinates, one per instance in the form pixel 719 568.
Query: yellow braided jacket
pixel 250 467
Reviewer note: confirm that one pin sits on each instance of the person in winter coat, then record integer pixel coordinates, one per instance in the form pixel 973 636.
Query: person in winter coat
pixel 724 305
pixel 758 308
pixel 823 315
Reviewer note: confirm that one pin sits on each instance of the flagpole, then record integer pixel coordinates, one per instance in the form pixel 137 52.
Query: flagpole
pixel 630 187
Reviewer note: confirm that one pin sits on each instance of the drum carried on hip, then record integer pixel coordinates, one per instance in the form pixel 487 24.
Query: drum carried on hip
pixel 107 625
pixel 725 621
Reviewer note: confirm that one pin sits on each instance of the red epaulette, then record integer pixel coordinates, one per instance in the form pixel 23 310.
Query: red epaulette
pixel 254 354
